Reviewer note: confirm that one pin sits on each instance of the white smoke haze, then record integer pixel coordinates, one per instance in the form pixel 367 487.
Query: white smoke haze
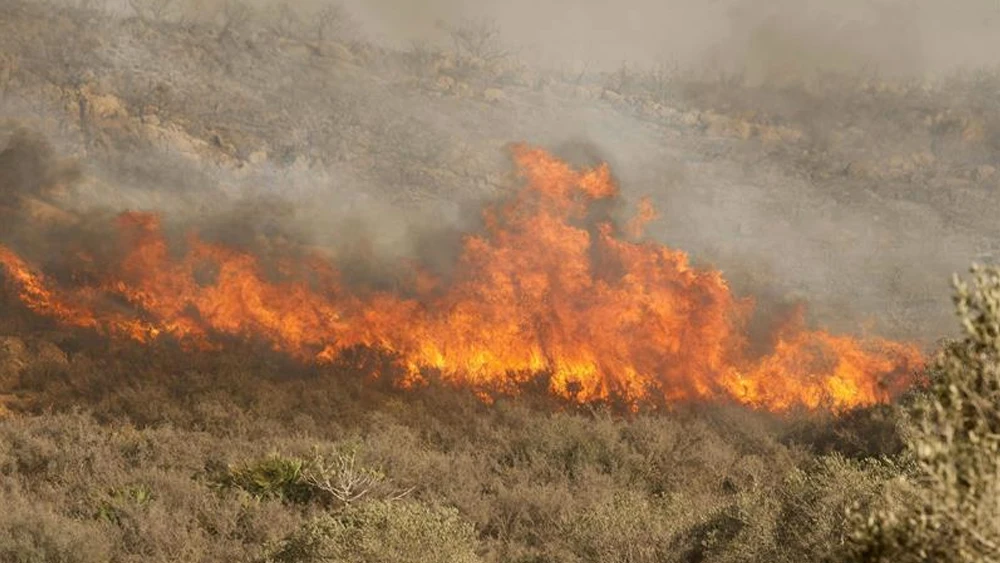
pixel 893 35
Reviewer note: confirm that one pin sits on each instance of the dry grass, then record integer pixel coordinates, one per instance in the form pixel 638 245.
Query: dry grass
pixel 214 457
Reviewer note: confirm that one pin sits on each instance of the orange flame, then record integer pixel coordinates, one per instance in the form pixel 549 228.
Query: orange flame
pixel 539 290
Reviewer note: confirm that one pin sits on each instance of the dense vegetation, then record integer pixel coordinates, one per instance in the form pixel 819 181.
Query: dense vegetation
pixel 227 458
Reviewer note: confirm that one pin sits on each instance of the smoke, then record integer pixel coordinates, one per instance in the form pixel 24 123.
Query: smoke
pixel 894 36
pixel 378 197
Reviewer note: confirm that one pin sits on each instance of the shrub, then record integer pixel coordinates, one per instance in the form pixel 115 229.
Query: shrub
pixel 30 533
pixel 948 510
pixel 110 509
pixel 627 528
pixel 272 477
pixel 341 479
pixel 382 531
pixel 334 479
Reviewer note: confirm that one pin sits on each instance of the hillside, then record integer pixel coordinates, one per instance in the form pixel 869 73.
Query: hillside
pixel 806 189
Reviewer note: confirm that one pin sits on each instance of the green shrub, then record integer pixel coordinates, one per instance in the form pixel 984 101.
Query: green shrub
pixel 813 523
pixel 948 509
pixel 272 477
pixel 110 509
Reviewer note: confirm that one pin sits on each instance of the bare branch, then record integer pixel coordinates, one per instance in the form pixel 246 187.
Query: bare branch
pixel 342 478
pixel 478 39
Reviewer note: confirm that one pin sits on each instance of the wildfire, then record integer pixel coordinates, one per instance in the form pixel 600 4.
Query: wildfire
pixel 543 288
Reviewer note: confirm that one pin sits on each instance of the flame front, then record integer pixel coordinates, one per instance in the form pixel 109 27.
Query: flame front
pixel 543 288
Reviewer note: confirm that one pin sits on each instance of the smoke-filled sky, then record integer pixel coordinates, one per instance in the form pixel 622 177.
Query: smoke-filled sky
pixel 893 34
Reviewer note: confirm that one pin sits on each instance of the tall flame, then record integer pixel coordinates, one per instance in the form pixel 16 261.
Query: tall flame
pixel 543 288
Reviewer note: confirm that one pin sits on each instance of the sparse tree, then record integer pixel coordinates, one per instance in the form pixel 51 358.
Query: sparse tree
pixel 422 55
pixel 661 80
pixel 478 49
pixel 344 480
pixel 477 39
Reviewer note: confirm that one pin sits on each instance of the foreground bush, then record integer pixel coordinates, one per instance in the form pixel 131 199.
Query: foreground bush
pixel 35 534
pixel 400 532
pixel 948 507
pixel 455 481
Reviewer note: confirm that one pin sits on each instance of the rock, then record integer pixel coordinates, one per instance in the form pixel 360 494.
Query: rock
pixel 296 49
pixel 778 134
pixel 104 106
pixel 257 157
pixel 984 172
pixel 860 169
pixel 715 124
pixel 301 163
pixel 443 64
pixel 955 183
pixel 474 63
pixel 612 96
pixel 744 129
pixel 923 159
pixel 691 118
pixel 668 112
pixel 151 119
pixel 444 83
pixel 172 137
pixel 494 95
pixel 898 162
pixel 974 131
pixel 340 52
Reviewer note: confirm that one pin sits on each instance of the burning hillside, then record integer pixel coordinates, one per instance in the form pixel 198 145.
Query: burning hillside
pixel 549 286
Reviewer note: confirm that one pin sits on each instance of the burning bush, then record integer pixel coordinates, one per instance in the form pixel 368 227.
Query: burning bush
pixel 550 286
